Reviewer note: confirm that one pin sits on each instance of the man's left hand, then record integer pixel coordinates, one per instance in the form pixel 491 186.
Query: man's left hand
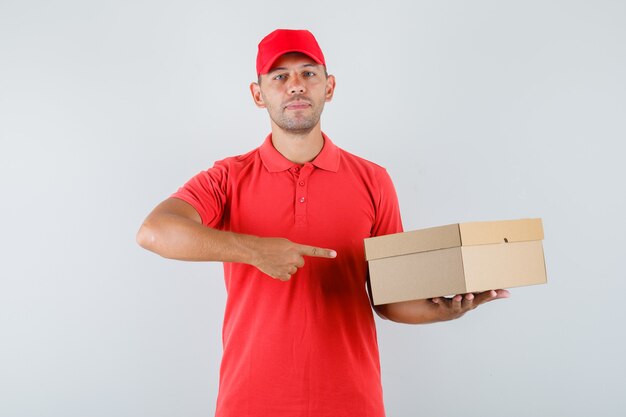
pixel 455 307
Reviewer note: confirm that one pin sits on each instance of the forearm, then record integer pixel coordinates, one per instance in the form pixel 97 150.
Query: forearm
pixel 176 237
pixel 437 309
pixel 411 312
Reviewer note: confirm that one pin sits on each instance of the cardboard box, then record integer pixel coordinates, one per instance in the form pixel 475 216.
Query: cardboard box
pixel 455 259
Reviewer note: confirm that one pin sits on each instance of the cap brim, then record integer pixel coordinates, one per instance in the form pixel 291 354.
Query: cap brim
pixel 270 62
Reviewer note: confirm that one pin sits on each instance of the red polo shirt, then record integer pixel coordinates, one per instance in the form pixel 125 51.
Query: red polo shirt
pixel 305 347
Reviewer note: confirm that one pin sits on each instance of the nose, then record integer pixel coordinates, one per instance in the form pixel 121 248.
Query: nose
pixel 296 85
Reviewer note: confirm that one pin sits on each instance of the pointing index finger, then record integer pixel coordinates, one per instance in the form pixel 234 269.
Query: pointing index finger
pixel 317 252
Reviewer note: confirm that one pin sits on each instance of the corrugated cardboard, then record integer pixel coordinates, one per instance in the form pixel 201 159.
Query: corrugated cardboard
pixel 455 259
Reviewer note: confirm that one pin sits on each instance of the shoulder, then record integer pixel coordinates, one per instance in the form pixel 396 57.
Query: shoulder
pixel 237 163
pixel 373 176
pixel 223 171
pixel 360 164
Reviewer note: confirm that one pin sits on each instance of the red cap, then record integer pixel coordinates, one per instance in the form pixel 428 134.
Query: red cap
pixel 282 41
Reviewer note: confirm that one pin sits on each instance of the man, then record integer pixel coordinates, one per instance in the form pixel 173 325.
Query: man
pixel 288 220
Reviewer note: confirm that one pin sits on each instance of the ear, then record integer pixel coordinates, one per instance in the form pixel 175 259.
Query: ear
pixel 257 97
pixel 330 87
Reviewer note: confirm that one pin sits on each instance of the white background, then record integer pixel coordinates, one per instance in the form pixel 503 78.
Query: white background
pixel 480 110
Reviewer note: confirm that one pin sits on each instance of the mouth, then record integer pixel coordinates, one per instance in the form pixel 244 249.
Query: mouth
pixel 297 105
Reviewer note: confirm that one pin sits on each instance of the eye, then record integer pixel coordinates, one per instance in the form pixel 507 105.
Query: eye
pixel 279 77
pixel 309 74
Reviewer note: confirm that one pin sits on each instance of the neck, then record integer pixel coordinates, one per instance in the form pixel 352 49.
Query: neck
pixel 298 147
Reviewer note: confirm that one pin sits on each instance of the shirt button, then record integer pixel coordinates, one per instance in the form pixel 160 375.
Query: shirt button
pixel 301 183
pixel 296 169
pixel 301 199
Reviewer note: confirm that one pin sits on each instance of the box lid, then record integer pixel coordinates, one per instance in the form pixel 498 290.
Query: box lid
pixel 458 234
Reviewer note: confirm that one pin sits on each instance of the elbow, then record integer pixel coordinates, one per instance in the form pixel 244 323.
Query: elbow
pixel 153 238
pixel 146 237
pixel 379 310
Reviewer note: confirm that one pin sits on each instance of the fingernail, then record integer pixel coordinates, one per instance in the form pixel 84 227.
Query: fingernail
pixel 333 254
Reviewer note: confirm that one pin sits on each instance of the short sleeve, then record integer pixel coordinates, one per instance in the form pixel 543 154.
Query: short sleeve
pixel 388 219
pixel 206 192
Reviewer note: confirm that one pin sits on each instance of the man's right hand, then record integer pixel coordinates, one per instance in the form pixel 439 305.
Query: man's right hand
pixel 280 258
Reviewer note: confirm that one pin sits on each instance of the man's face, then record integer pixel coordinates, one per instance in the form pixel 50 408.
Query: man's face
pixel 294 92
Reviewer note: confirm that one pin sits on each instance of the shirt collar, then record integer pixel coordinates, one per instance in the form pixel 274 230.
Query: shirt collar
pixel 274 161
